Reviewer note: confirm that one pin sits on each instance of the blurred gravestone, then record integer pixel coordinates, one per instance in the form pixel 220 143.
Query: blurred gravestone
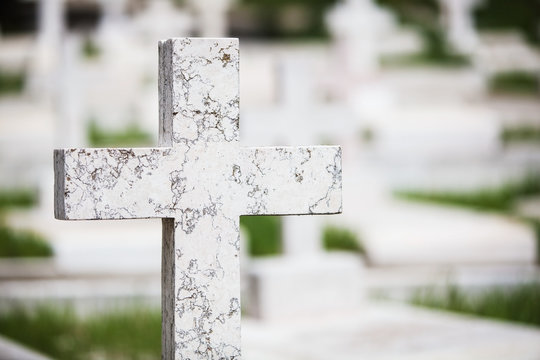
pixel 199 182
pixel 211 17
pixel 162 18
pixel 459 22
pixel 315 282
pixel 358 27
pixel 45 63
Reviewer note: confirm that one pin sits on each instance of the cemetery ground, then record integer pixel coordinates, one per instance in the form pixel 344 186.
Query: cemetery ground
pixel 86 317
pixel 377 330
pixel 83 315
pixel 81 310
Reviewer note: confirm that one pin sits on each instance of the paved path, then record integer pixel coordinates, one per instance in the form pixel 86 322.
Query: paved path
pixel 388 331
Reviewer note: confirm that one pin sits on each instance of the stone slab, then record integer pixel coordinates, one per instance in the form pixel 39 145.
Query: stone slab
pixel 506 51
pixel 423 234
pixel 299 287
pixel 384 331
pixel 401 282
pixel 436 133
pixel 397 232
pixel 429 85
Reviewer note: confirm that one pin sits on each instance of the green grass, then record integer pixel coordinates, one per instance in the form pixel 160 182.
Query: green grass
pixel 518 304
pixel 11 82
pixel 90 49
pixel 423 59
pixel 133 333
pixel 341 239
pixel 17 198
pixel 22 243
pixel 264 233
pixel 132 135
pixel 515 83
pixel 520 134
pixel 366 135
pixel 499 198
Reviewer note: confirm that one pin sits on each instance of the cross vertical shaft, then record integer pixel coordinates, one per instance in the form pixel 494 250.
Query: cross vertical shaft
pixel 200 276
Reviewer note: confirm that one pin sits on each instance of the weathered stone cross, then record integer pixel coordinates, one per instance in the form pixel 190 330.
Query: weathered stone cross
pixel 199 181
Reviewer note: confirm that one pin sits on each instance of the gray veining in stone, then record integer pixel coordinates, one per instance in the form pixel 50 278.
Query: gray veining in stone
pixel 199 181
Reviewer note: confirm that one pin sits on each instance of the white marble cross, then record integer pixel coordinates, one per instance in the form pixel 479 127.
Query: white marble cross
pixel 199 181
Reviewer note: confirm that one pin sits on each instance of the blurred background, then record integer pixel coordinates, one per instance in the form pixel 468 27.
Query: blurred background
pixel 436 106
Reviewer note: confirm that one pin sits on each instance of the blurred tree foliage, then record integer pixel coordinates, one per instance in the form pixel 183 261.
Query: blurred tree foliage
pixel 18 16
pixel 523 15
pixel 269 15
pixel 264 234
pixel 422 13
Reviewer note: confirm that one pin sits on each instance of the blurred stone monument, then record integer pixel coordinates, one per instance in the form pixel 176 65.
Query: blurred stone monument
pixel 315 282
pixel 211 17
pixel 459 22
pixel 44 66
pixel 161 19
pixel 357 27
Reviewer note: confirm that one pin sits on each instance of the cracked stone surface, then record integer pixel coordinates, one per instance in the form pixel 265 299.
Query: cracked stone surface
pixel 199 181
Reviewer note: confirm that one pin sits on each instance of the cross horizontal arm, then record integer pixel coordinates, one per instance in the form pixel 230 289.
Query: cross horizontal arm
pixel 112 183
pixel 291 180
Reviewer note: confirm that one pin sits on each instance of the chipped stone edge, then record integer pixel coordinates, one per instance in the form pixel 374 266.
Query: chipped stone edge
pixel 59 185
pixel 168 274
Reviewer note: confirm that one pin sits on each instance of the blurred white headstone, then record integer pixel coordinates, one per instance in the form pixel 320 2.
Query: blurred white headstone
pixel 114 27
pixel 357 26
pixel 49 39
pixel 211 17
pixel 459 22
pixel 70 129
pixel 161 19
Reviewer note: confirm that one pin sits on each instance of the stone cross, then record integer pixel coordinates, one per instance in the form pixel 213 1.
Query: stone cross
pixel 44 64
pixel 199 181
pixel 358 27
